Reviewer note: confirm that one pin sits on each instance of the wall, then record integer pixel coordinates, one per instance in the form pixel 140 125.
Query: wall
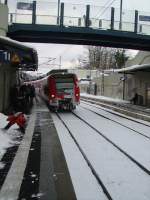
pixel 3 19
pixel 115 85
pixel 142 82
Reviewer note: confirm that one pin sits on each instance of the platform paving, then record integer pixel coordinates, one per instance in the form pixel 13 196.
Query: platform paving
pixel 39 169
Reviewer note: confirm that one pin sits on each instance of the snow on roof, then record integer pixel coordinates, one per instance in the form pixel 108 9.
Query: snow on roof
pixel 134 68
pixel 15 43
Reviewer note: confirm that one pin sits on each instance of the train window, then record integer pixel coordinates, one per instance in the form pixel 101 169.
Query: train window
pixel 64 80
pixel 64 85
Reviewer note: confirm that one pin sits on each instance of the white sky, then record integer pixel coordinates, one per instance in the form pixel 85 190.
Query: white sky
pixel 70 53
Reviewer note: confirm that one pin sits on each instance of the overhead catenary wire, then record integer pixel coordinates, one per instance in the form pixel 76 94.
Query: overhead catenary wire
pixel 108 6
pixel 103 7
pixel 58 56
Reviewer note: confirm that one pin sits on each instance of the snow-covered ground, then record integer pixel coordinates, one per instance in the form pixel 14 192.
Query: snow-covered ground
pixel 104 98
pixel 7 138
pixel 122 177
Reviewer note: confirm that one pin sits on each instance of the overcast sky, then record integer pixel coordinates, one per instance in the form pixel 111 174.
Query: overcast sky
pixel 70 53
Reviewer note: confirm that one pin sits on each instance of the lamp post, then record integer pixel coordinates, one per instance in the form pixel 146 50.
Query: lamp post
pixel 58 11
pixel 120 22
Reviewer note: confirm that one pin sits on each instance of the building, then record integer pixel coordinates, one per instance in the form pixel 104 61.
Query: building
pixel 14 56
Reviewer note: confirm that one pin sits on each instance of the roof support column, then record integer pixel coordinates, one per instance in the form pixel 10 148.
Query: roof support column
pixel 136 21
pixel 62 15
pixel 112 18
pixel 34 13
pixel 87 19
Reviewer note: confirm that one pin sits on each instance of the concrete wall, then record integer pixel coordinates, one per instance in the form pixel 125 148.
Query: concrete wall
pixel 3 19
pixel 119 86
pixel 115 86
pixel 142 83
pixel 7 80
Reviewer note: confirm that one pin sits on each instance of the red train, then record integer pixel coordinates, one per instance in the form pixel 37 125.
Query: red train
pixel 62 91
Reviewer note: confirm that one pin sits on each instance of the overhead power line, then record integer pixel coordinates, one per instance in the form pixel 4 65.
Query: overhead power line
pixel 102 8
pixel 108 6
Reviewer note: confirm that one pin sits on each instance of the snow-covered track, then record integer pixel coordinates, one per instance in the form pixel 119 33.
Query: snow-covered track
pixel 147 171
pixel 122 177
pixel 87 160
pixel 131 111
pixel 117 122
pixel 109 110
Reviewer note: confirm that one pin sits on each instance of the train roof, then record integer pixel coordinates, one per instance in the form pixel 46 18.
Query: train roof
pixel 62 75
pixel 54 71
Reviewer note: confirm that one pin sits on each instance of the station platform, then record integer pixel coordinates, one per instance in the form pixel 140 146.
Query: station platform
pixel 120 106
pixel 39 169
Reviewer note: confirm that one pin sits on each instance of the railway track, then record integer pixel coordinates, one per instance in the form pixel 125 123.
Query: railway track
pixel 122 109
pixel 116 146
pixel 117 122
pixel 87 160
pixel 74 116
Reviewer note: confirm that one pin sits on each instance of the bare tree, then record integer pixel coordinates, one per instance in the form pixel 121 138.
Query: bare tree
pixel 104 58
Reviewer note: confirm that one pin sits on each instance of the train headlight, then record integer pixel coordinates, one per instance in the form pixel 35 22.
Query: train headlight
pixel 77 95
pixel 52 95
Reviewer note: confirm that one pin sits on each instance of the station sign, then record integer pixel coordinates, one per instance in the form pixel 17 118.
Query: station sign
pixel 4 56
pixel 145 18
pixel 24 6
pixel 15 58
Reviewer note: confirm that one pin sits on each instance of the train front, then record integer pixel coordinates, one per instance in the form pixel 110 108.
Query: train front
pixel 64 92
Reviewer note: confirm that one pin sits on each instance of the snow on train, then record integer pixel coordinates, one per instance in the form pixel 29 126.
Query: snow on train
pixel 60 89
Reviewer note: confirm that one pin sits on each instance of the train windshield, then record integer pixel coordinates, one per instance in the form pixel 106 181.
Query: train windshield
pixel 64 83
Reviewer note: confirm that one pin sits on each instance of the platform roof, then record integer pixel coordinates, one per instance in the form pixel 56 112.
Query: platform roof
pixel 134 68
pixel 25 51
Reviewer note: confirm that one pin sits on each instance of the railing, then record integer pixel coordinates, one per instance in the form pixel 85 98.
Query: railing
pixel 77 15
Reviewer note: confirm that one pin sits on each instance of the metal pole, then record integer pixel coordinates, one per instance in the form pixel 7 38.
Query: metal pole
pixel 120 22
pixel 136 22
pixel 62 15
pixel 11 18
pixel 34 13
pixel 87 19
pixel 58 11
pixel 112 18
pixel 102 86
pixel 60 62
pixel 123 92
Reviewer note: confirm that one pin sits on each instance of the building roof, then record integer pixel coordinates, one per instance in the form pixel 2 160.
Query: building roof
pixel 26 52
